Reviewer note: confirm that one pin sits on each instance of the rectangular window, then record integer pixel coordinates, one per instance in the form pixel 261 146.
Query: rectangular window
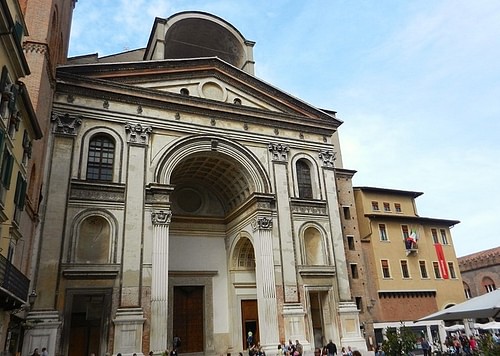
pixel 347 212
pixel 383 232
pixel 468 294
pixel 444 238
pixel 5 173
pixel 11 250
pixel 423 269
pixel 404 231
pixel 354 271
pixel 434 236
pixel 375 206
pixel 404 269
pixel 386 272
pixel 452 270
pixel 397 207
pixel 359 303
pixel 19 197
pixel 387 207
pixel 350 243
pixel 437 272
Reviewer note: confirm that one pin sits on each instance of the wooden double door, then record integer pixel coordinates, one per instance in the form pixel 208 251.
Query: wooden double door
pixel 188 318
pixel 87 321
pixel 250 321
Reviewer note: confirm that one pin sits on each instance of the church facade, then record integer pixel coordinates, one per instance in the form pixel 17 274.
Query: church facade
pixel 188 198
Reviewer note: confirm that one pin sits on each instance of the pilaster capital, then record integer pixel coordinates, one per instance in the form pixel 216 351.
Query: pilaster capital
pixel 262 223
pixel 65 124
pixel 161 217
pixel 138 133
pixel 279 151
pixel 328 158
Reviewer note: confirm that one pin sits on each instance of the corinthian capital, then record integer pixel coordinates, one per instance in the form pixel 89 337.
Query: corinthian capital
pixel 328 158
pixel 262 223
pixel 65 124
pixel 161 217
pixel 279 151
pixel 138 133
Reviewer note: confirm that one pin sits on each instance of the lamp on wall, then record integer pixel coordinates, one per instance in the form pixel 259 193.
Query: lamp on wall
pixel 32 298
pixel 26 306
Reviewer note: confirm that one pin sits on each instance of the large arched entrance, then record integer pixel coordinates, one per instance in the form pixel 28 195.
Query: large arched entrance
pixel 216 186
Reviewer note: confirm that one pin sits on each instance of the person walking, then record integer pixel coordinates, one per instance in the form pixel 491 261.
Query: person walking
pixel 331 348
pixel 426 347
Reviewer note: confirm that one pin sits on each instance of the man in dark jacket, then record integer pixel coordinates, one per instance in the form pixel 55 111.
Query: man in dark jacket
pixel 332 348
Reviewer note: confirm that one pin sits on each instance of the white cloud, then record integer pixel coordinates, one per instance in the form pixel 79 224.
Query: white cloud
pixel 416 83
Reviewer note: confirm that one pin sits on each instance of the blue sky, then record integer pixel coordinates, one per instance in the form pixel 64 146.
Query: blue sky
pixel 417 84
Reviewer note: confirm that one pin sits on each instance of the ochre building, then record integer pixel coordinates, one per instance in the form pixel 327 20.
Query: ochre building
pixel 410 259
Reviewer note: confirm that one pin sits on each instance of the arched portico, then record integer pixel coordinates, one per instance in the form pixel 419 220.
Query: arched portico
pixel 217 187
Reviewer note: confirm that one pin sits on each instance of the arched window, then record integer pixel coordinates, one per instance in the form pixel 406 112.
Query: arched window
pixel 244 255
pixel 304 179
pixel 101 158
pixel 313 247
pixel 468 294
pixel 488 284
pixel 94 236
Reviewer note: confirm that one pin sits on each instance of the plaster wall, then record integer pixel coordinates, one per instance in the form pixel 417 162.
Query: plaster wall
pixel 190 253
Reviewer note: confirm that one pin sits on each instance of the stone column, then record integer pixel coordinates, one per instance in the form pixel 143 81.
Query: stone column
pixel 44 318
pixel 280 161
pixel 159 281
pixel 266 287
pixel 327 157
pixel 348 311
pixel 129 318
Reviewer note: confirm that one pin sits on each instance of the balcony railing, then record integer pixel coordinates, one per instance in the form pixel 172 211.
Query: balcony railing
pixel 14 283
pixel 411 246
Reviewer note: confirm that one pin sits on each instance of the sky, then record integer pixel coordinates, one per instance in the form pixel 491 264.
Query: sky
pixel 416 83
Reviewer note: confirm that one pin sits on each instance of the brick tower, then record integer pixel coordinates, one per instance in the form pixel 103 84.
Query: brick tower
pixel 45 45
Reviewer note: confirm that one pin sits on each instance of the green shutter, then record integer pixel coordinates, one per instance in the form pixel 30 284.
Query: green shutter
pixel 8 170
pixel 3 79
pixel 22 198
pixel 18 31
pixel 2 140
pixel 19 183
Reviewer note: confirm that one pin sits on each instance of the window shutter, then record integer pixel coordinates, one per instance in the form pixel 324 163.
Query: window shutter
pixel 19 183
pixel 3 78
pixel 22 198
pixel 7 174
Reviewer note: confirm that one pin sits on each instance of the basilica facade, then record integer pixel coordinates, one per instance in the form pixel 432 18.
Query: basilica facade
pixel 186 197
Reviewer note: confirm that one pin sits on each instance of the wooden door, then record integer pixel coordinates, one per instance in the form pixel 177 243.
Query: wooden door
pixel 188 318
pixel 86 320
pixel 249 320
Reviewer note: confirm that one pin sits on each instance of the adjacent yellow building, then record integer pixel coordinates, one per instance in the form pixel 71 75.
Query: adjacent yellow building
pixel 19 127
pixel 409 259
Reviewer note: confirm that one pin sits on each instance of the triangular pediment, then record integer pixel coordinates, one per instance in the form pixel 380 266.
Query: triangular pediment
pixel 205 79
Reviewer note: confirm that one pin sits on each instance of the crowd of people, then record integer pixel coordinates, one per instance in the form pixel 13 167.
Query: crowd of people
pixel 330 349
pixel 463 345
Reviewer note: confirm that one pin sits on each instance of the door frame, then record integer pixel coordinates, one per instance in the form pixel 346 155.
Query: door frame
pixel 105 322
pixel 193 278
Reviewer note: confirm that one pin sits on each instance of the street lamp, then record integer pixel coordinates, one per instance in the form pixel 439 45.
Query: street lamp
pixel 32 298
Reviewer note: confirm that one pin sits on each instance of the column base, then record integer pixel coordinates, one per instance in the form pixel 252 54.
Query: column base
pixel 129 324
pixel 351 330
pixel 42 329
pixel 295 329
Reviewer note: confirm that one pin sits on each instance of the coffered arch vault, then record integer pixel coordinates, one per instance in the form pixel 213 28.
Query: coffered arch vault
pixel 225 168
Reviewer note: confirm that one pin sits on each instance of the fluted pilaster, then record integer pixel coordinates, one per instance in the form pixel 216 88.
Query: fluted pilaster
pixel 266 284
pixel 159 275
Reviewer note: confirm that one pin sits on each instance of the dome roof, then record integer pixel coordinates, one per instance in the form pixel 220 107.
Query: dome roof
pixel 198 34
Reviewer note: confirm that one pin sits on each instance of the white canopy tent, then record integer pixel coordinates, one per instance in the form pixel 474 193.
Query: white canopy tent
pixel 484 306
pixel 492 325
